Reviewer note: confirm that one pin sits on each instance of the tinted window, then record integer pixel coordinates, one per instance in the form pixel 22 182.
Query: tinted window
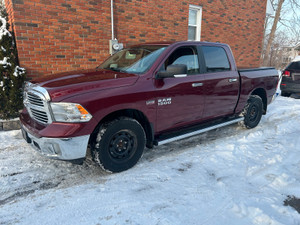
pixel 215 59
pixel 187 56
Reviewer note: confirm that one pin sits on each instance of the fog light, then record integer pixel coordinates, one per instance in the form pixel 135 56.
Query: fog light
pixel 53 148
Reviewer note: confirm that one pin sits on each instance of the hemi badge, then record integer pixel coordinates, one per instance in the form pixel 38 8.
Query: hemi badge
pixel 150 102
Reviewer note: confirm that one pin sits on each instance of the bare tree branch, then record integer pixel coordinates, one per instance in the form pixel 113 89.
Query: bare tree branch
pixel 273 30
pixel 281 31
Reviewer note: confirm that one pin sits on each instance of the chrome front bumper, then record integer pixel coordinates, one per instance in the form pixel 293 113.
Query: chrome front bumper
pixel 58 148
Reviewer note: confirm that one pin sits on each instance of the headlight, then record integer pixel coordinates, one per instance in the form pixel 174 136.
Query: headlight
pixel 70 112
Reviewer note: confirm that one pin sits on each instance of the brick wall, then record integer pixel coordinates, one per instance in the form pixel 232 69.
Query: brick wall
pixel 67 35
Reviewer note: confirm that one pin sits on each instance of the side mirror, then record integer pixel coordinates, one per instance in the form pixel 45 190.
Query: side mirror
pixel 179 70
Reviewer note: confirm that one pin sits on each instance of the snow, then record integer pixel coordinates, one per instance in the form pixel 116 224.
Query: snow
pixel 19 71
pixel 228 176
pixel 297 58
pixel 3 30
pixel 4 62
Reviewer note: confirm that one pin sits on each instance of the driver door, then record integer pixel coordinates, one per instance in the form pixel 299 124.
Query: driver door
pixel 180 100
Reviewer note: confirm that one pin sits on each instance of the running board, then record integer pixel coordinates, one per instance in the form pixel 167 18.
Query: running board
pixel 162 142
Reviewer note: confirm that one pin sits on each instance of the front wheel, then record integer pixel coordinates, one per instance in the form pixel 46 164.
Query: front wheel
pixel 252 112
pixel 119 144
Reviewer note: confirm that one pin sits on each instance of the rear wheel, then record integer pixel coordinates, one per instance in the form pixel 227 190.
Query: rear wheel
pixel 119 144
pixel 252 112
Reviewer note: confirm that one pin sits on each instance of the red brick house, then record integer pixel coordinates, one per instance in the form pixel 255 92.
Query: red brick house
pixel 59 35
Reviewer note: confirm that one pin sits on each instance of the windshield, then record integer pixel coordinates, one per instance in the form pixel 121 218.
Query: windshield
pixel 133 60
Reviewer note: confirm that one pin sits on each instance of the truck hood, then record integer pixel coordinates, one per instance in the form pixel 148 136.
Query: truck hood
pixel 63 85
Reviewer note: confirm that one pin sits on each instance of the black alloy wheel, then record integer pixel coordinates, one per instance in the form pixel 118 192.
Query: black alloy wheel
pixel 119 144
pixel 253 111
pixel 123 145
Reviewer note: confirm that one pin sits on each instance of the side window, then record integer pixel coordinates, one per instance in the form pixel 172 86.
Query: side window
pixel 215 59
pixel 187 56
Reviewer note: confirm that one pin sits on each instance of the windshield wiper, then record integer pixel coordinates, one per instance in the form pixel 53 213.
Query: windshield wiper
pixel 118 70
pixel 114 69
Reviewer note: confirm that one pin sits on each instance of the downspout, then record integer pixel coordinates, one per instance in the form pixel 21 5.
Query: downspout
pixel 112 19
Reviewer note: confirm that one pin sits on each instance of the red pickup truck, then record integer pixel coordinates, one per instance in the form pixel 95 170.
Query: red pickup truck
pixel 145 95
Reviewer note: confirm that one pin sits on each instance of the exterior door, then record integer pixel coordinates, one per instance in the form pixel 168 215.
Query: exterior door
pixel 221 83
pixel 180 100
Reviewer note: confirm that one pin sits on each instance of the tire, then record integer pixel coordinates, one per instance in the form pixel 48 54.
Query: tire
pixel 252 112
pixel 119 144
pixel 285 94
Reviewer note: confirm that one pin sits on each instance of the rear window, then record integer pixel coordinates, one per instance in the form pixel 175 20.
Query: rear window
pixel 215 59
pixel 294 66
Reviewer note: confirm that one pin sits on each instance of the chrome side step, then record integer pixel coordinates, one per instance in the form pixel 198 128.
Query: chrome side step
pixel 199 131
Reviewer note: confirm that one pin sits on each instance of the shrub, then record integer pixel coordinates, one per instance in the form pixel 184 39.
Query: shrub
pixel 11 75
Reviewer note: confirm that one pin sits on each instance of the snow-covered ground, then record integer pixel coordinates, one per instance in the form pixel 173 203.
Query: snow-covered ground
pixel 227 176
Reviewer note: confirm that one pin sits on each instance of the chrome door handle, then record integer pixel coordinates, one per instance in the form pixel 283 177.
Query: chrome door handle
pixel 197 84
pixel 232 80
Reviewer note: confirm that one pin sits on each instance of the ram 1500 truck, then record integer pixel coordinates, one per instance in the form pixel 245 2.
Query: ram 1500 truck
pixel 145 95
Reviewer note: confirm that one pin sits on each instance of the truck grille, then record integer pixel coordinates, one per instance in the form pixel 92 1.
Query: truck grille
pixel 36 103
pixel 40 116
pixel 35 100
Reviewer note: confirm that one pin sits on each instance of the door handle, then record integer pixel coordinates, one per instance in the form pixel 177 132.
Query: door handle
pixel 197 84
pixel 232 80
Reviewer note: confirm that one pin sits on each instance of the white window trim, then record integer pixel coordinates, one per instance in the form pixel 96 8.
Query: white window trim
pixel 198 20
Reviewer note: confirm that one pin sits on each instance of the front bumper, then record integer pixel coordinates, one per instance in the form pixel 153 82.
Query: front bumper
pixel 58 148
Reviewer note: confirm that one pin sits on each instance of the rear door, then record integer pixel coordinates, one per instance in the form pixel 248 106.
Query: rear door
pixel 221 83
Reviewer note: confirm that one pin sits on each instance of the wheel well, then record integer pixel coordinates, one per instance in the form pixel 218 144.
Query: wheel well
pixel 135 114
pixel 263 95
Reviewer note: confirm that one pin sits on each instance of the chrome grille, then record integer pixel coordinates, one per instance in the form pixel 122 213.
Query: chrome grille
pixel 40 116
pixel 36 101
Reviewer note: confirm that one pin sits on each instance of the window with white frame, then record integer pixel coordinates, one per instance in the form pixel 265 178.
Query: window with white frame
pixel 195 16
